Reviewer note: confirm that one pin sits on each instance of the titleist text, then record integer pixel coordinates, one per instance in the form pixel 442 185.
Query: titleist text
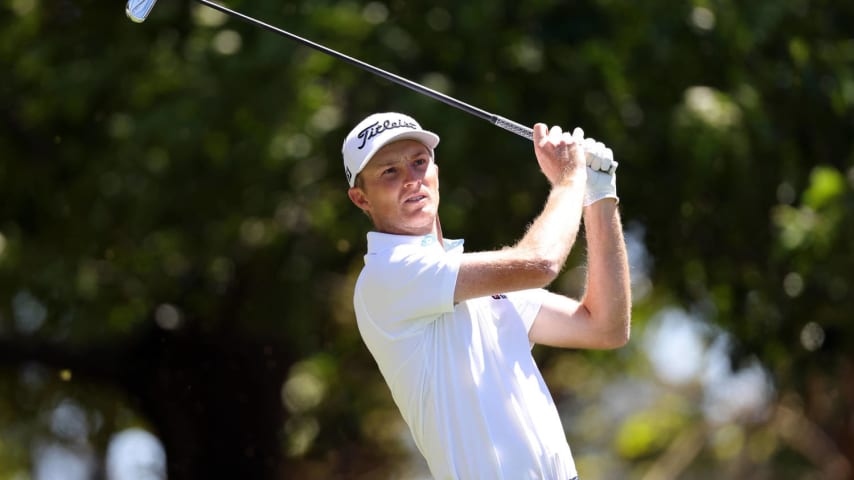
pixel 375 129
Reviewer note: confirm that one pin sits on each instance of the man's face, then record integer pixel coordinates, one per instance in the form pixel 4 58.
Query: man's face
pixel 399 189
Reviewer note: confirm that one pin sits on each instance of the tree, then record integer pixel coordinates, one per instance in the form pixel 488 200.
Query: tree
pixel 177 252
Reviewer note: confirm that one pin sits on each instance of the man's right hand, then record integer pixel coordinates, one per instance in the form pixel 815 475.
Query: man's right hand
pixel 560 155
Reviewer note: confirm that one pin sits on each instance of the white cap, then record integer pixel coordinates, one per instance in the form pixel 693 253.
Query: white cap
pixel 377 131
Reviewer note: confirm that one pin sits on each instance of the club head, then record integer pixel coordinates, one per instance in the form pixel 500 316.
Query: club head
pixel 138 10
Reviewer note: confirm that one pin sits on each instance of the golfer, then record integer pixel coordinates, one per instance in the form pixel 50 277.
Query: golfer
pixel 452 332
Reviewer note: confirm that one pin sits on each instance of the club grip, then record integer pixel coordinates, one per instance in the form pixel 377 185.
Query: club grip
pixel 514 127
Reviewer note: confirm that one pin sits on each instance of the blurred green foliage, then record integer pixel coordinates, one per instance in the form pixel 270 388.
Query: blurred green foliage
pixel 177 251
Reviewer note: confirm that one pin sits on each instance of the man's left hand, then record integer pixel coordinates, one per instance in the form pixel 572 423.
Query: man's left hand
pixel 601 172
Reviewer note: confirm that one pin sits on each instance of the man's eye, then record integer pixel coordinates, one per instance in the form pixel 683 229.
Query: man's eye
pixel 388 171
pixel 421 161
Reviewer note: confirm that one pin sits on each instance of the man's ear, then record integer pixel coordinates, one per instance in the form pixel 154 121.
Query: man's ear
pixel 437 174
pixel 357 196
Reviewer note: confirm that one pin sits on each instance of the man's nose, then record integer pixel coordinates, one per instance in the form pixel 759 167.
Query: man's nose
pixel 413 176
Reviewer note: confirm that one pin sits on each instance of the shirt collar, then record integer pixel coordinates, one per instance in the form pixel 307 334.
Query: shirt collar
pixel 378 242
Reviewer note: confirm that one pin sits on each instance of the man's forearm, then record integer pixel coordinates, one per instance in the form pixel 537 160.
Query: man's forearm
pixel 552 235
pixel 537 259
pixel 608 293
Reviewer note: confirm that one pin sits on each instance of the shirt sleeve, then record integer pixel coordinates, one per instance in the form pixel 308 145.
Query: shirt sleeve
pixel 527 304
pixel 408 286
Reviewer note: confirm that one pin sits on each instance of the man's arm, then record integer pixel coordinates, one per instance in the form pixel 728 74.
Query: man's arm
pixel 537 259
pixel 603 317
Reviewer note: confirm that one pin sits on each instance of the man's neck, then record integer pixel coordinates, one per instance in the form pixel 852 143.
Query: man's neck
pixel 437 229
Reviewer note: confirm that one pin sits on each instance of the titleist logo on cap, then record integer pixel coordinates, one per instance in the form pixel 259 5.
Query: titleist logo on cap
pixel 376 128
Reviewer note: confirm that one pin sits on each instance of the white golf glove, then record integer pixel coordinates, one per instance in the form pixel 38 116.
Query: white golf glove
pixel 601 170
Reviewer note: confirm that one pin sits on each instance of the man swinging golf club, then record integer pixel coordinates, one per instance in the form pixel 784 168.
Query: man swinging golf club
pixel 452 332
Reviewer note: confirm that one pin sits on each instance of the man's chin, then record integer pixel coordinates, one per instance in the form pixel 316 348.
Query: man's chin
pixel 423 226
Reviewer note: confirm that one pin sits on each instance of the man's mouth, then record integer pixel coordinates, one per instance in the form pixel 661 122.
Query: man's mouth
pixel 416 198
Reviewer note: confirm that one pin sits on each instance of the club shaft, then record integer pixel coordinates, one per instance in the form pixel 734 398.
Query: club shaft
pixel 496 120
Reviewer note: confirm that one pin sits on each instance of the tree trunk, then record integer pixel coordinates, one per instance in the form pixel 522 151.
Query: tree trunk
pixel 214 402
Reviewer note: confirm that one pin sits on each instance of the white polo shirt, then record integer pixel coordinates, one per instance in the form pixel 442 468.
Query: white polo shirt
pixel 462 375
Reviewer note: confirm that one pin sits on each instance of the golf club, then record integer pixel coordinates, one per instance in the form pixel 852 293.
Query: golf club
pixel 138 10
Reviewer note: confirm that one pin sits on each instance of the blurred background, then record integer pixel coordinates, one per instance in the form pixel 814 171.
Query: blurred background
pixel 177 251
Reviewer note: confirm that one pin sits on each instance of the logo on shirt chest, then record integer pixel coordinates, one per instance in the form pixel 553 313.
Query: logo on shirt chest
pixel 499 296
